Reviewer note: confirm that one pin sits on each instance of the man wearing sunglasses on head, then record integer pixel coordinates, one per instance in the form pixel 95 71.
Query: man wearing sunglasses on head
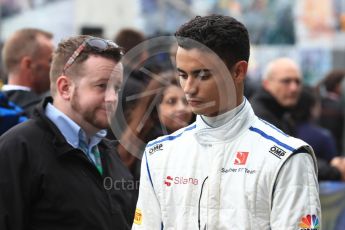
pixel 56 170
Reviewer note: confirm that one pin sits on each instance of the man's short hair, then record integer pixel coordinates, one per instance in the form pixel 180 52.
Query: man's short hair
pixel 268 72
pixel 224 35
pixel 65 50
pixel 22 43
pixel 128 38
pixel 333 79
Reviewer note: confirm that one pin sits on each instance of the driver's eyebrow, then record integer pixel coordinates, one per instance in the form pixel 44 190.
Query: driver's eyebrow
pixel 199 71
pixel 180 70
pixel 196 72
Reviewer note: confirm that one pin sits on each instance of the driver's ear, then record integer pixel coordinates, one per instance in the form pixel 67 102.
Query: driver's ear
pixel 239 71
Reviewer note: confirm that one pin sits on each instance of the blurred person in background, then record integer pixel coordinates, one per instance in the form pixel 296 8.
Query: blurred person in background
pixel 343 103
pixel 332 110
pixel 174 112
pixel 161 109
pixel 135 80
pixel 305 115
pixel 57 170
pixel 26 57
pixel 10 114
pixel 2 73
pixel 280 91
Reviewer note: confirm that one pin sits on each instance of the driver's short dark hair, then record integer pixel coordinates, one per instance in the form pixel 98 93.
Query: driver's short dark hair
pixel 224 35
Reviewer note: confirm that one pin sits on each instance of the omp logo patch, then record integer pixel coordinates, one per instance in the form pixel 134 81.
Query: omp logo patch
pixel 276 151
pixel 309 222
pixel 241 158
pixel 155 148
pixel 138 217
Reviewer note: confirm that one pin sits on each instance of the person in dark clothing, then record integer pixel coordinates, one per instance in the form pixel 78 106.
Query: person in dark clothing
pixel 305 115
pixel 136 80
pixel 281 87
pixel 57 171
pixel 332 109
pixel 10 114
pixel 154 115
pixel 27 100
pixel 26 56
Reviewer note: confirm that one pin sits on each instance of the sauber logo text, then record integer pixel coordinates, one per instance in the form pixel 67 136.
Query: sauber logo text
pixel 238 170
pixel 241 158
pixel 180 181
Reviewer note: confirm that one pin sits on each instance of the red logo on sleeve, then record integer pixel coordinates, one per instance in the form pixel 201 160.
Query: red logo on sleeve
pixel 241 158
pixel 168 181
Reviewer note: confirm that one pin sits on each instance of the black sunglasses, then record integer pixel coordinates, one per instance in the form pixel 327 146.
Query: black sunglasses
pixel 97 44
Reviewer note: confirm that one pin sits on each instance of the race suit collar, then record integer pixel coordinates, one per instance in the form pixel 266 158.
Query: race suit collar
pixel 224 118
pixel 233 126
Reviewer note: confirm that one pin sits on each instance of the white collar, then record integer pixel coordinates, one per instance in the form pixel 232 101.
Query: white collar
pixel 232 126
pixel 224 118
pixel 15 87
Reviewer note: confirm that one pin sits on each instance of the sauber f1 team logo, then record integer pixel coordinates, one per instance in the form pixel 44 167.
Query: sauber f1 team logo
pixel 180 180
pixel 309 222
pixel 241 158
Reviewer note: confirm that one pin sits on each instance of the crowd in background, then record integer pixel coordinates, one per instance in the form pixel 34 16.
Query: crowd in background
pixel 152 104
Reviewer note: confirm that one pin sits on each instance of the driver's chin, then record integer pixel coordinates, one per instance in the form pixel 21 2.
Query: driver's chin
pixel 198 111
pixel 204 112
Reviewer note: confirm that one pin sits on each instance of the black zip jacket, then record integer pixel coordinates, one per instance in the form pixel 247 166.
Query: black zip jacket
pixel 266 107
pixel 47 184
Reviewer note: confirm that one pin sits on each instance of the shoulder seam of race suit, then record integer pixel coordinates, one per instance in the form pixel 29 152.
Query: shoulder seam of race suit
pixel 171 137
pixel 269 137
pixel 273 127
pixel 148 170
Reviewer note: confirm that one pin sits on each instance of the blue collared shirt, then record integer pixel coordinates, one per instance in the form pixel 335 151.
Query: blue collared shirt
pixel 72 131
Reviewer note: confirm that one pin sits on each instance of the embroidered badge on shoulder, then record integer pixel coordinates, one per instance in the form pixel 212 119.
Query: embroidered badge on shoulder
pixel 138 217
pixel 158 147
pixel 309 222
pixel 278 152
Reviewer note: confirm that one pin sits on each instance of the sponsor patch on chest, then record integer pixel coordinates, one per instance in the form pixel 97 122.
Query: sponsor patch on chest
pixel 180 180
pixel 278 152
pixel 242 170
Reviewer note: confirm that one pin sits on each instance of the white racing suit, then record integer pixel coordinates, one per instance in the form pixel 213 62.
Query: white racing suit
pixel 246 174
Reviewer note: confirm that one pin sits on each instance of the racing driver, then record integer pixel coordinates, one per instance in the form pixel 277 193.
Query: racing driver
pixel 229 169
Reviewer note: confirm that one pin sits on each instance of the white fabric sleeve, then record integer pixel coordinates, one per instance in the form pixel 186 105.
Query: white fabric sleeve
pixel 296 199
pixel 148 212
